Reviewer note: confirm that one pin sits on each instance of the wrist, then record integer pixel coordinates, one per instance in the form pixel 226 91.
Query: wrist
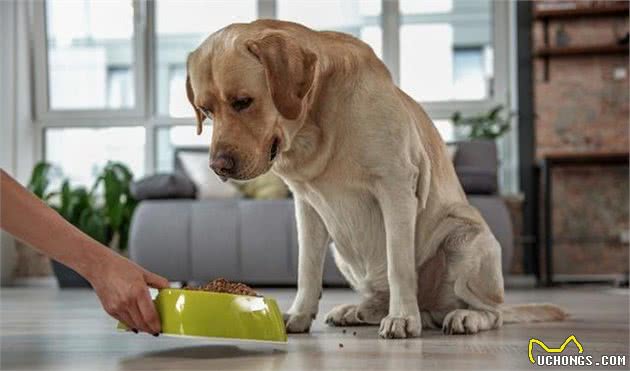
pixel 94 262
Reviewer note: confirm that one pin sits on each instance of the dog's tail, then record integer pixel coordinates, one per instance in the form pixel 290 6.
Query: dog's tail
pixel 533 313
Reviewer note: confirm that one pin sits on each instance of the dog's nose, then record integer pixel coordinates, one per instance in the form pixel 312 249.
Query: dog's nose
pixel 223 164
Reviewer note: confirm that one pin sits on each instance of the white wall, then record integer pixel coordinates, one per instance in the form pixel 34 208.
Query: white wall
pixel 18 135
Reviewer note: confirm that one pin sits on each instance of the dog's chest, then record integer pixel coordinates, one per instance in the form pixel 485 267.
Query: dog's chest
pixel 354 221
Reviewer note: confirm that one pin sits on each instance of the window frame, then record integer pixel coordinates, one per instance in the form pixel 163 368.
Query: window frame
pixel 74 117
pixel 145 113
pixel 444 109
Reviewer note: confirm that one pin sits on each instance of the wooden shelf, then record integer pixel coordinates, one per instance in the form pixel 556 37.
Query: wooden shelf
pixel 577 156
pixel 546 15
pixel 609 10
pixel 568 51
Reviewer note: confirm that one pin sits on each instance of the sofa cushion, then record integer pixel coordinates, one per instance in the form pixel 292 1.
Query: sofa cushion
pixel 214 240
pixel 159 235
pixel 479 153
pixel 160 186
pixel 476 180
pixel 476 166
pixel 266 241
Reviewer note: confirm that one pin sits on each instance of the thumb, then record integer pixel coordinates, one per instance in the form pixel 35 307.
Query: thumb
pixel 155 281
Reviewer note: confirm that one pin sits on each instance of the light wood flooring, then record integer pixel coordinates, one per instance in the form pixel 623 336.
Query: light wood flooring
pixel 46 329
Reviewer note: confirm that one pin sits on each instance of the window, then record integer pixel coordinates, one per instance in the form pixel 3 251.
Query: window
pixel 82 152
pixel 470 79
pixel 180 27
pixel 119 87
pixel 425 6
pixel 426 61
pixel 90 54
pixel 360 18
pixel 178 104
pixel 114 71
pixel 446 49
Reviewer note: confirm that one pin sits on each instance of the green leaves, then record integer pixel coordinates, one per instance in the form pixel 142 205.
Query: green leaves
pixel 104 213
pixel 119 205
pixel 489 125
pixel 93 223
pixel 39 182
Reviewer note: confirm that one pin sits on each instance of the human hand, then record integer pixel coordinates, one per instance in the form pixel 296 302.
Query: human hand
pixel 122 288
pixel 120 284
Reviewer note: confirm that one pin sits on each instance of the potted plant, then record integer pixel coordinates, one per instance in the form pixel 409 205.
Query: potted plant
pixel 118 204
pixel 103 212
pixel 484 126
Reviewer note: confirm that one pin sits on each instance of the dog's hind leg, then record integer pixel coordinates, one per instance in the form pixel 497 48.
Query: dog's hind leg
pixel 369 312
pixel 468 321
pixel 474 268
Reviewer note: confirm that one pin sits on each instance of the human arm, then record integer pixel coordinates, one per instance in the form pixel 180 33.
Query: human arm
pixel 120 284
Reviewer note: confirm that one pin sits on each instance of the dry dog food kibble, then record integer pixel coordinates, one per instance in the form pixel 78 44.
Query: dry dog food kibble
pixel 223 285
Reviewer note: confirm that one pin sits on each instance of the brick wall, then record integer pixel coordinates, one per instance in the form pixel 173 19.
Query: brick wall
pixel 583 107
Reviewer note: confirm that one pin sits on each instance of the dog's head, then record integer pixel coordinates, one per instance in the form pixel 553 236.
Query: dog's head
pixel 254 89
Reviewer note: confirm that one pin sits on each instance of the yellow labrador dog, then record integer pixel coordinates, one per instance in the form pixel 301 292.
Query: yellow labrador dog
pixel 369 172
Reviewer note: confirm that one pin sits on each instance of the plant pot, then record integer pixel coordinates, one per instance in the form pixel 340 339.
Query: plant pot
pixel 68 278
pixel 8 259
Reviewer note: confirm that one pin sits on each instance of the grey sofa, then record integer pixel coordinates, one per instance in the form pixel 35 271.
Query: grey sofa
pixel 255 241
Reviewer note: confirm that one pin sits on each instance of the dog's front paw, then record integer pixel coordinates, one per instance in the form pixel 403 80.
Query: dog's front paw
pixel 400 327
pixel 366 313
pixel 298 323
pixel 343 315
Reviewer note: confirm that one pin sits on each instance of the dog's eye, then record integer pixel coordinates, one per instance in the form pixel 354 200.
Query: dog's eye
pixel 242 103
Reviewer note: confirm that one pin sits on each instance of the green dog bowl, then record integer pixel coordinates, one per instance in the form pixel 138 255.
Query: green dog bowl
pixel 219 315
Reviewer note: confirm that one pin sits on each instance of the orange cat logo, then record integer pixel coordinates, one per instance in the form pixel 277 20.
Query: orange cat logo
pixel 560 349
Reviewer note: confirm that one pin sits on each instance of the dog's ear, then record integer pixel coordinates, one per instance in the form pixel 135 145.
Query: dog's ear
pixel 289 69
pixel 191 98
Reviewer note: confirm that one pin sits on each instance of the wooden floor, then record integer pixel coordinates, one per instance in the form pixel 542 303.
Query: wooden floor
pixel 44 329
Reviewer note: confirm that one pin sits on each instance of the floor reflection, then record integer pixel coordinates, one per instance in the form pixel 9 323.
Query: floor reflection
pixel 206 357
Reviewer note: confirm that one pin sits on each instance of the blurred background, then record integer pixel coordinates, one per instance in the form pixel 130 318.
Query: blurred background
pixel 531 96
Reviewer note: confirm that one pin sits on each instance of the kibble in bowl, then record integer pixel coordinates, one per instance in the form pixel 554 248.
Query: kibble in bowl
pixel 223 285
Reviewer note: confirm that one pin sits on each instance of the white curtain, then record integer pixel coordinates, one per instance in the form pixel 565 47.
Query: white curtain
pixel 18 134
